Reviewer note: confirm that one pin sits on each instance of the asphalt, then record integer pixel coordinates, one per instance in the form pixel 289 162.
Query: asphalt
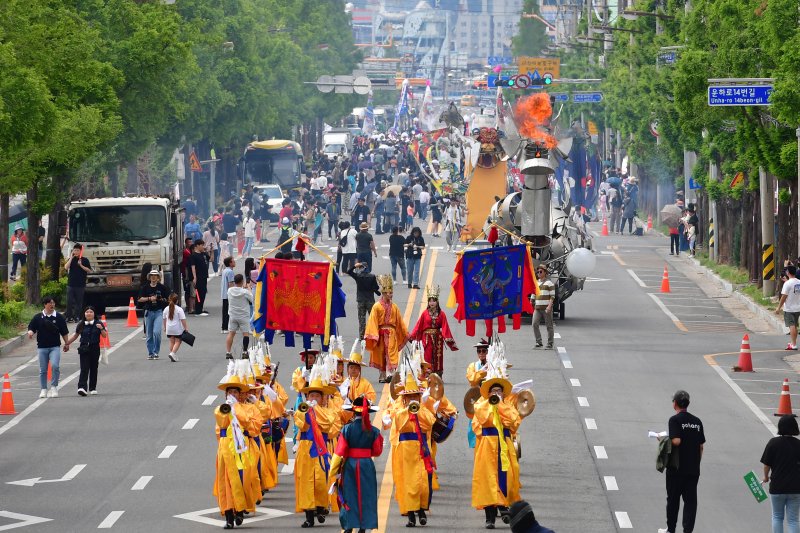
pixel 618 361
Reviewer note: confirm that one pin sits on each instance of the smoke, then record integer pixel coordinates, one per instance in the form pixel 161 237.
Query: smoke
pixel 533 114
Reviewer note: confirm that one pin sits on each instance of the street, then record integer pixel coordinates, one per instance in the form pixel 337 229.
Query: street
pixel 140 455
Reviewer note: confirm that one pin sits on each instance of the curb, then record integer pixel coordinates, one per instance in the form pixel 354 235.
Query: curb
pixel 765 315
pixel 11 344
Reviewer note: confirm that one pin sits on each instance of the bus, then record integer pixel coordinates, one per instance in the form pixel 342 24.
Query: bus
pixel 275 161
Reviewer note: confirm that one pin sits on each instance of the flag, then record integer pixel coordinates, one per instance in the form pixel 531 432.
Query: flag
pixel 259 320
pixel 369 117
pixel 427 120
pixel 402 105
pixel 737 179
pixel 493 283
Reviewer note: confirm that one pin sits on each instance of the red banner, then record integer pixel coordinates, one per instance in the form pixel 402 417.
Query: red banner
pixel 297 295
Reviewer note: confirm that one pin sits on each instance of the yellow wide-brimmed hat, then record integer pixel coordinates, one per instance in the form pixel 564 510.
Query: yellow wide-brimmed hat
pixel 356 358
pixel 411 386
pixel 489 383
pixel 233 382
pixel 316 385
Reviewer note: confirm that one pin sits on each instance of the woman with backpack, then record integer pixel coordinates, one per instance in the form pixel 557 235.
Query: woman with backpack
pixel 90 331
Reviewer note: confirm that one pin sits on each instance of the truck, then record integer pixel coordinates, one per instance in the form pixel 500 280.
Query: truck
pixel 337 141
pixel 123 238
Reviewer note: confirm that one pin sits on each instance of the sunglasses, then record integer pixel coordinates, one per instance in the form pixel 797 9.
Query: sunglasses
pixel 483 350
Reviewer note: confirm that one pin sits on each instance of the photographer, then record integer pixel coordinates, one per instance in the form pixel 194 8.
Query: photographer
pixel 414 246
pixel 77 267
pixel 153 298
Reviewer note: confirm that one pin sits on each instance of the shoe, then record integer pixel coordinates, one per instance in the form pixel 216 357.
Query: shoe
pixel 228 519
pixel 53 392
pixel 150 356
pixel 309 520
pixel 423 518
pixel 204 313
pixel 245 355
pixel 173 357
pixel 791 346
pixel 81 392
pixel 93 392
pixel 539 344
pixel 409 285
pixel 224 331
pixel 43 393
pixel 239 518
pixel 665 530
pixel 489 525
pixel 412 520
pixel 671 253
pixel 415 287
pixel 549 346
pixel 155 356
pixel 229 355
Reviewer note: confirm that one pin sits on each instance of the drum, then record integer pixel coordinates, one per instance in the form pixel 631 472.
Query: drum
pixel 443 427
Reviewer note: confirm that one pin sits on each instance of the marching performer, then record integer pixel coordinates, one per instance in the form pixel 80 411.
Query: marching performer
pixel 259 412
pixel 434 332
pixel 495 475
pixel 234 472
pixel 476 373
pixel 386 333
pixel 355 386
pixel 314 420
pixel 270 412
pixel 353 470
pixel 300 378
pixel 412 462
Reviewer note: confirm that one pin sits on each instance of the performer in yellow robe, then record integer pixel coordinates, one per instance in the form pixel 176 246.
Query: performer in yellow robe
pixel 412 463
pixel 258 413
pixel 233 480
pixel 355 385
pixel 386 333
pixel 446 407
pixel 495 474
pixel 476 374
pixel 268 465
pixel 301 373
pixel 312 457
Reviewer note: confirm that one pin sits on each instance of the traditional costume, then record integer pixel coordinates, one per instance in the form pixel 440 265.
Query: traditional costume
pixel 354 471
pixel 476 373
pixel 386 333
pixel 434 332
pixel 352 388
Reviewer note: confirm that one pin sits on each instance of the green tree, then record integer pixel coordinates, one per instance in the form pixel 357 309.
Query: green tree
pixel 531 39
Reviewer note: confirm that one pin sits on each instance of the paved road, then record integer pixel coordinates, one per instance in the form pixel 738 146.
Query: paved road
pixel 148 447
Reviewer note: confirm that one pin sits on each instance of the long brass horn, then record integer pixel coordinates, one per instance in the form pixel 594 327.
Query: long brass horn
pixel 436 386
pixel 472 395
pixel 526 403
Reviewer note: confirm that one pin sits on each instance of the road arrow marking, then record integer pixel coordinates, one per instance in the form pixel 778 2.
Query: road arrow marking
pixel 69 476
pixel 198 516
pixel 24 520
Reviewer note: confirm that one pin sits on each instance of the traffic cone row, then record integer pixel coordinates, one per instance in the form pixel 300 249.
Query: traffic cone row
pixel 604 231
pixel 785 402
pixel 133 321
pixel 7 399
pixel 665 281
pixel 745 363
pixel 105 342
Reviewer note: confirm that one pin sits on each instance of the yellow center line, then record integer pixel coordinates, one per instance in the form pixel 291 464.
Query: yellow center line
pixel 386 488
pixel 430 227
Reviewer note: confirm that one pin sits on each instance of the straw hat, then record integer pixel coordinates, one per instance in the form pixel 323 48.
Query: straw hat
pixel 232 382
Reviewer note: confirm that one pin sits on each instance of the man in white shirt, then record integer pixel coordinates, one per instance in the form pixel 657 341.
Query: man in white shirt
pixel 347 244
pixel 790 301
pixel 322 182
pixel 424 200
pixel 249 225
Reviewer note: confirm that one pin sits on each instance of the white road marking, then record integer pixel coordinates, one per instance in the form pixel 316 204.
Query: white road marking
pixel 636 278
pixel 590 423
pixel 747 401
pixel 24 366
pixel 288 469
pixel 575 382
pixel 168 450
pixel 600 452
pixel 209 399
pixel 557 335
pixel 773 393
pixel 110 520
pixel 663 307
pixel 262 513
pixel 611 483
pixel 23 520
pixel 384 245
pixel 32 407
pixel 623 520
pixel 69 476
pixel 436 247
pixel 583 401
pixel 141 483
pixel 567 364
pixel 760 380
pixel 561 349
pixel 191 423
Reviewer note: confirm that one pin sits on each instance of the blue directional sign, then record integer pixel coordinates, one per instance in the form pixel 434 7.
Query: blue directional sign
pixel 560 97
pixel 694 185
pixel 587 98
pixel 667 58
pixel 739 95
pixel 500 60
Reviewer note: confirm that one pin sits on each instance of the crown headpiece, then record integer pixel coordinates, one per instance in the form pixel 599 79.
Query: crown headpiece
pixel 385 283
pixel 432 292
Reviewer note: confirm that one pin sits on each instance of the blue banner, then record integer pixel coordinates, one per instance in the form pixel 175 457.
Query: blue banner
pixel 493 281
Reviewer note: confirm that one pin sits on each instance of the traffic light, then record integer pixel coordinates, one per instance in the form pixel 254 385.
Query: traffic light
pixel 548 79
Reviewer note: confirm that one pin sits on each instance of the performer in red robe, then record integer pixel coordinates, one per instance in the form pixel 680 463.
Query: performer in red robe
pixel 434 332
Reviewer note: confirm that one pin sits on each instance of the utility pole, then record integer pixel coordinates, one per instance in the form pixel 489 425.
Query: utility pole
pixel 767 232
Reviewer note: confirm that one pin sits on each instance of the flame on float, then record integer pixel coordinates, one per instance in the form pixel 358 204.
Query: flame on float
pixel 533 114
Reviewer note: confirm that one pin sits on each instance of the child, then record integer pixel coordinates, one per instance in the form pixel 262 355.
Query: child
pixel 224 247
pixel 409 216
pixel 174 326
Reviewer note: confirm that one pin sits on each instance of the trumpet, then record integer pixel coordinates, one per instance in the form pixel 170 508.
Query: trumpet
pixel 225 409
pixel 413 407
pixel 303 407
pixel 494 399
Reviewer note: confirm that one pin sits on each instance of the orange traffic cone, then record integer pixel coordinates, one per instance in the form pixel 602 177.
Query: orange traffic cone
pixel 604 231
pixel 665 281
pixel 745 363
pixel 105 342
pixel 7 400
pixel 649 222
pixel 133 321
pixel 784 404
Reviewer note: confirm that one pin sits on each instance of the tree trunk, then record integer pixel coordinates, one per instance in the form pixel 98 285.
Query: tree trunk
pixel 32 280
pixel 52 258
pixel 5 200
pixel 132 183
pixel 113 175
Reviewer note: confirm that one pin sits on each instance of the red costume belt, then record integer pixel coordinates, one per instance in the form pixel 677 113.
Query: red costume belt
pixel 359 453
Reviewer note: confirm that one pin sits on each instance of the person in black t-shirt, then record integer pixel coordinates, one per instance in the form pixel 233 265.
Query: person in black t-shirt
pixel 153 299
pixel 686 432
pixel 198 265
pixel 77 267
pixel 415 244
pixel 365 246
pixel 397 245
pixel 782 457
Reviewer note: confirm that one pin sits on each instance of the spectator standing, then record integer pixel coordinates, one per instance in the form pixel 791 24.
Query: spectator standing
pixel 674 240
pixel 688 438
pixel 153 298
pixel 226 283
pixel 211 238
pixel 380 209
pixel 174 320
pixel 390 209
pixel 189 207
pixel 90 331
pixel 198 266
pixel 396 253
pixel 41 233
pixel 629 205
pixel 249 224
pixel 424 201
pixel 192 229
pixel 188 284
pixel 436 214
pixel 332 211
pixel 366 288
pixel 790 302
pixel 240 303
pixel 347 245
pixel 781 458
pixel 229 223
pixel 224 251
pixel 416 190
pixel 415 244
pixel 19 250
pixel 543 307
pixel 615 199
pixel 77 268
pixel 48 326
pixel 693 228
pixel 360 213
pixel 365 246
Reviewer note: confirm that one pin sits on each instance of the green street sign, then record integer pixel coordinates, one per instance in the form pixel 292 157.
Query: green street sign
pixel 754 484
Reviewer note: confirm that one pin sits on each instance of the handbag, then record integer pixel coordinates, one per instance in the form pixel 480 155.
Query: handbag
pixel 187 337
